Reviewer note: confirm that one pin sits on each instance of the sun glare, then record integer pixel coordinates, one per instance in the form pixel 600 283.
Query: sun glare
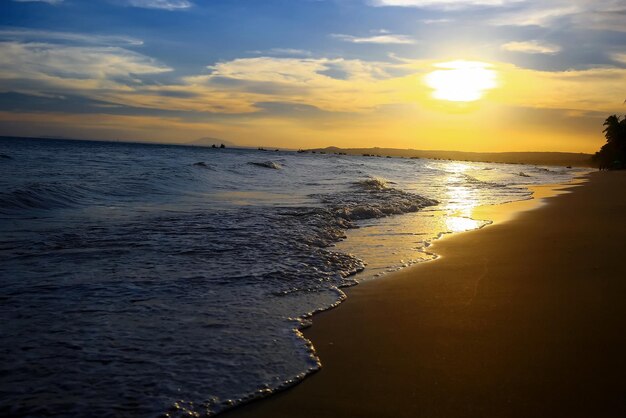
pixel 461 81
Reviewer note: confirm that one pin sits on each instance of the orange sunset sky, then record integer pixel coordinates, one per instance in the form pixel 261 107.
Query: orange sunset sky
pixel 471 75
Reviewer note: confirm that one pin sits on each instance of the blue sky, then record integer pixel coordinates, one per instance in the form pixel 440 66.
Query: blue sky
pixel 233 68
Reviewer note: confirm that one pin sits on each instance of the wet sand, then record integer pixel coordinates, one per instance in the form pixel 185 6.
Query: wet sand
pixel 523 318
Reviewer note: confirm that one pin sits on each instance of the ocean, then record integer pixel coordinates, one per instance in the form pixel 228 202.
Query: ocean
pixel 143 280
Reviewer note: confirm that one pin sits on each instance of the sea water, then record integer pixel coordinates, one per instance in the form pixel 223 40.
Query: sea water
pixel 143 280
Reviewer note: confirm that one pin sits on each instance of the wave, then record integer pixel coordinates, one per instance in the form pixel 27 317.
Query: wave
pixel 481 184
pixel 266 164
pixel 204 165
pixel 296 249
pixel 549 171
pixel 299 239
pixel 41 196
pixel 373 198
pixel 146 187
pixel 373 183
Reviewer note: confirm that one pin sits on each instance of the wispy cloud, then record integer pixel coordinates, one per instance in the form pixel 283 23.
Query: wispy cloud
pixel 39 1
pixel 435 21
pixel 171 5
pixel 448 4
pixel 532 47
pixel 236 86
pixel 535 17
pixel 619 57
pixel 54 68
pixel 581 14
pixel 285 52
pixel 382 38
pixel 28 35
pixel 603 15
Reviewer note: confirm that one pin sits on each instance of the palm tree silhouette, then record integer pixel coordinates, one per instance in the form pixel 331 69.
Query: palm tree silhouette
pixel 612 155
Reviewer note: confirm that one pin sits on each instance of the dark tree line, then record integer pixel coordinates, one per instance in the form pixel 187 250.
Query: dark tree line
pixel 612 155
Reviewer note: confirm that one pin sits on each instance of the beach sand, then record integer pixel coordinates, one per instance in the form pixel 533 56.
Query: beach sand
pixel 523 318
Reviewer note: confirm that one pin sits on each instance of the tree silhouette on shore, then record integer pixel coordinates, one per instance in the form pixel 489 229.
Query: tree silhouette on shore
pixel 612 155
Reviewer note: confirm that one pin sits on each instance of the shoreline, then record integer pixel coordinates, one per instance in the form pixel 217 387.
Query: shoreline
pixel 360 366
pixel 509 211
pixel 491 214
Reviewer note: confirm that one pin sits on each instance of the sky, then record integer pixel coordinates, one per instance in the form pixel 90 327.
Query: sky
pixel 470 75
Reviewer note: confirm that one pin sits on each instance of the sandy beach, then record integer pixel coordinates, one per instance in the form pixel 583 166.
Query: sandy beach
pixel 523 318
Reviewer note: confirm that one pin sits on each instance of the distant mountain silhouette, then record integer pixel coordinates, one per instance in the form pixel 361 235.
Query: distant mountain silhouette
pixel 538 158
pixel 208 141
pixel 65 138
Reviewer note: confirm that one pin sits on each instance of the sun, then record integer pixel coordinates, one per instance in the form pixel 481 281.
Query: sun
pixel 461 81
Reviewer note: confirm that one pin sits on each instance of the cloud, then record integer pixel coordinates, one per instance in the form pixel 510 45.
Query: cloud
pixel 297 70
pixel 606 15
pixel 532 47
pixel 448 4
pixel 53 68
pixel 171 5
pixel 535 17
pixel 39 1
pixel 28 35
pixel 235 87
pixel 101 67
pixel 435 21
pixel 288 52
pixel 278 96
pixel 603 15
pixel 42 61
pixel 364 86
pixel 619 57
pixel 335 85
pixel 575 90
pixel 383 38
pixel 582 14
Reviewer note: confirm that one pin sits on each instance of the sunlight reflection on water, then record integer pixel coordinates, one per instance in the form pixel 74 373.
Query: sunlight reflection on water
pixel 401 241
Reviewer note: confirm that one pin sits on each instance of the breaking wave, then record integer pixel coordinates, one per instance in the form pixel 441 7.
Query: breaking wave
pixel 267 164
pixel 284 266
pixel 373 198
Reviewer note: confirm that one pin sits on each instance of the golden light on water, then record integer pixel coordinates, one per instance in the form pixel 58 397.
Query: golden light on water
pixel 461 224
pixel 461 199
pixel 461 81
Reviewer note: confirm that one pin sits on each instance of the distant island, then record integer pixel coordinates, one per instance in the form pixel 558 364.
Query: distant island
pixel 537 158
pixel 208 141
